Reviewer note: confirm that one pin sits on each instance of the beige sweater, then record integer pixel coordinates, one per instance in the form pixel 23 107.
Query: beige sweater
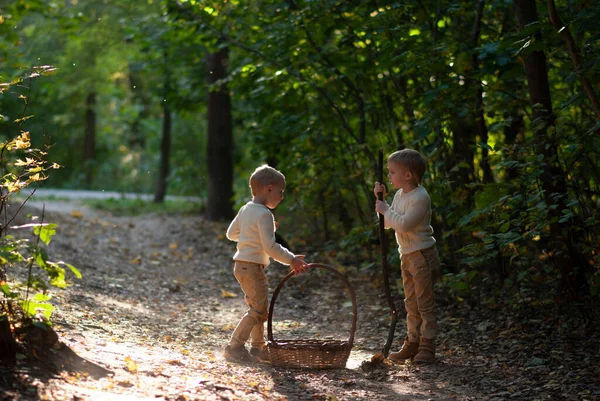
pixel 410 216
pixel 254 231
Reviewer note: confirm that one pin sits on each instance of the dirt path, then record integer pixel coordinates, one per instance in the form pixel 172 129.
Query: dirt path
pixel 158 301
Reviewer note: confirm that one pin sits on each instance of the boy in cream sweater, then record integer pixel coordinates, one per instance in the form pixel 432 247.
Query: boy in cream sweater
pixel 410 217
pixel 254 231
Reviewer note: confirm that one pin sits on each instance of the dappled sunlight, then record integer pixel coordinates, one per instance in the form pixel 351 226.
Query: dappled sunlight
pixel 357 357
pixel 158 301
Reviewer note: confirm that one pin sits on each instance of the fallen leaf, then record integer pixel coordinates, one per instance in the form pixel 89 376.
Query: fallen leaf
pixel 130 365
pixel 227 294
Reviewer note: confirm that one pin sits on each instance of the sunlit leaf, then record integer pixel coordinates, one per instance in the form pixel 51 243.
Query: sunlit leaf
pixel 41 297
pixel 130 365
pixel 227 294
pixel 73 269
pixel 32 308
pixel 59 278
pixel 45 232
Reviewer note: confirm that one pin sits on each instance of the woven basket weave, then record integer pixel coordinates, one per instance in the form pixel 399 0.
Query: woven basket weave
pixel 310 353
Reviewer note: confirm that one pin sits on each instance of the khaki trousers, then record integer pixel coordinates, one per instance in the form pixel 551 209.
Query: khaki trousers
pixel 255 285
pixel 420 269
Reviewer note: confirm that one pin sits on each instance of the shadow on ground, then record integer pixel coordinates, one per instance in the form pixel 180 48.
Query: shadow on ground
pixel 24 377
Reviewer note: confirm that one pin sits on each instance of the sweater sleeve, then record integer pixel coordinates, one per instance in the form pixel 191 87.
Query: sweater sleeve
pixel 233 231
pixel 266 231
pixel 402 223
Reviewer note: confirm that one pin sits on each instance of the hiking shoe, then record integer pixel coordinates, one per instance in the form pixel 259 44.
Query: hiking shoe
pixel 238 354
pixel 426 353
pixel 261 353
pixel 407 351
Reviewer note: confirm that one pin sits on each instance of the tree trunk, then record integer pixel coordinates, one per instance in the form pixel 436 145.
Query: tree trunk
pixel 8 345
pixel 513 136
pixel 479 113
pixel 220 140
pixel 165 144
pixel 89 147
pixel 462 173
pixel 165 150
pixel 560 246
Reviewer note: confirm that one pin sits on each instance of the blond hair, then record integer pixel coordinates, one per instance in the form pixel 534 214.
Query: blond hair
pixel 412 160
pixel 263 176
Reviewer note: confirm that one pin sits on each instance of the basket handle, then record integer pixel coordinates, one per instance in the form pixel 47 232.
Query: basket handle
pixel 292 273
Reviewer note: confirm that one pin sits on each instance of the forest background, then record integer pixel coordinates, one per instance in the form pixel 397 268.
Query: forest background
pixel 188 97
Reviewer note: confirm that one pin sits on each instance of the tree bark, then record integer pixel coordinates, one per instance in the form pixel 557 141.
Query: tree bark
pixel 575 57
pixel 479 114
pixel 89 147
pixel 165 150
pixel 8 345
pixel 560 246
pixel 165 144
pixel 220 139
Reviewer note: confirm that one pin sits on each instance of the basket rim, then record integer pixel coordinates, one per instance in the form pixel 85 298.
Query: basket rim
pixel 350 340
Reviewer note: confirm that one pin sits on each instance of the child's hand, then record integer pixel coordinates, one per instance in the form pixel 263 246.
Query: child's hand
pixel 298 264
pixel 379 188
pixel 276 226
pixel 381 207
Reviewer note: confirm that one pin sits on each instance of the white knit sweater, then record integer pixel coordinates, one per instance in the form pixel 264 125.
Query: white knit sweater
pixel 410 217
pixel 254 231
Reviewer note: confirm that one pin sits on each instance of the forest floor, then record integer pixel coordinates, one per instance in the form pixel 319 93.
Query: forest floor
pixel 158 301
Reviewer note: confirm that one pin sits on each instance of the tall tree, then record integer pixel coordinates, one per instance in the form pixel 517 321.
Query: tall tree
pixel 165 143
pixel 481 127
pixel 89 147
pixel 220 139
pixel 570 263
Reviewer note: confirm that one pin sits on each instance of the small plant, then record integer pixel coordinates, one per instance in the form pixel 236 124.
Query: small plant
pixel 26 273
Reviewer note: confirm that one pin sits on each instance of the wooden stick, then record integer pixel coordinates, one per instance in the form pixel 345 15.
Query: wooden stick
pixel 386 269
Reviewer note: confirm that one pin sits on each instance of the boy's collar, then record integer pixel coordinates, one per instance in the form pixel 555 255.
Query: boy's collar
pixel 410 190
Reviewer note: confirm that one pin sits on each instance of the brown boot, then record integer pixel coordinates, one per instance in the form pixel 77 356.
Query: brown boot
pixel 261 353
pixel 407 351
pixel 426 353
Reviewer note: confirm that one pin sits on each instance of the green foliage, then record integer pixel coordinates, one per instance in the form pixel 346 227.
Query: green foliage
pixel 122 53
pixel 137 207
pixel 21 284
pixel 26 272
pixel 317 88
pixel 320 86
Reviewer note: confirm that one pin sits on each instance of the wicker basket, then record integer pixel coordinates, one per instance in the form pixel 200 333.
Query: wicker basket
pixel 310 353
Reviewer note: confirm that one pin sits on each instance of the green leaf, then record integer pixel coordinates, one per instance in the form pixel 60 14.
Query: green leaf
pixel 73 269
pixel 31 308
pixel 8 291
pixel 59 281
pixel 41 258
pixel 41 297
pixel 462 287
pixel 45 232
